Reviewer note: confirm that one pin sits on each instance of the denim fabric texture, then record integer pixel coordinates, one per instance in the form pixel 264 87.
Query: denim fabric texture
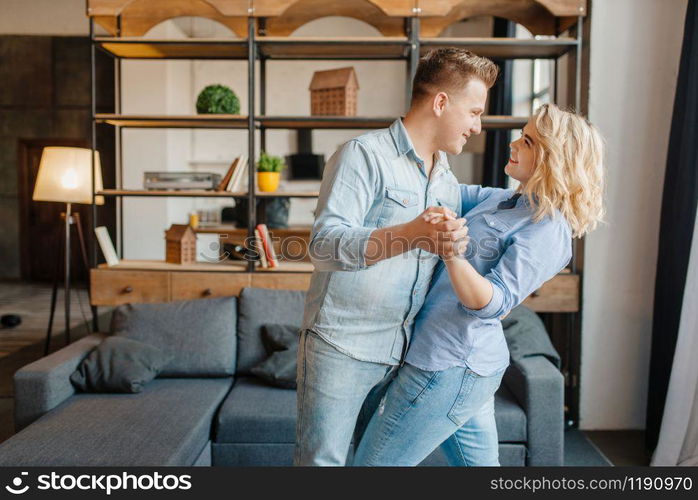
pixel 516 255
pixel 375 180
pixel 423 409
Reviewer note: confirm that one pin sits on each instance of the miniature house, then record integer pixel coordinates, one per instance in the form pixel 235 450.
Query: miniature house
pixel 334 92
pixel 180 244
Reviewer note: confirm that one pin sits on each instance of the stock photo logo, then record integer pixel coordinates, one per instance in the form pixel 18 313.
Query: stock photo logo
pixel 16 487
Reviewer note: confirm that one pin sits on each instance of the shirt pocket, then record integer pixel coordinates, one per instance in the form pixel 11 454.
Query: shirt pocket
pixel 399 206
pixel 496 223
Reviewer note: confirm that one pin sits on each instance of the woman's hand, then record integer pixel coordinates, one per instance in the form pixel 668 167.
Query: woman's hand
pixel 437 215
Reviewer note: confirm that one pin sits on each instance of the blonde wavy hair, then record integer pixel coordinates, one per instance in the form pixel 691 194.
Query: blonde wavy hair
pixel 569 172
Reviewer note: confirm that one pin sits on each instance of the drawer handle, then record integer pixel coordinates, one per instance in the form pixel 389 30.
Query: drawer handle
pixel 127 289
pixel 207 292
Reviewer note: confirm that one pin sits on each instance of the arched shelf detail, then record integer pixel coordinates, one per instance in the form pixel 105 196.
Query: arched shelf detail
pixel 134 18
pixel 300 12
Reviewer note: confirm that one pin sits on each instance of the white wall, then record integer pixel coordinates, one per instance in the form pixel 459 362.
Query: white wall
pixel 635 48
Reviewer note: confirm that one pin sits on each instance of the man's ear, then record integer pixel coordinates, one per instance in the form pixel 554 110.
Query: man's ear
pixel 439 103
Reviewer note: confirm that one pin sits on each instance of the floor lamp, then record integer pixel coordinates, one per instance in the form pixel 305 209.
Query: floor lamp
pixel 64 176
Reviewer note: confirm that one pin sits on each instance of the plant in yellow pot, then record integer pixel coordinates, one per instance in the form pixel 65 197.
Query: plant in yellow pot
pixel 269 172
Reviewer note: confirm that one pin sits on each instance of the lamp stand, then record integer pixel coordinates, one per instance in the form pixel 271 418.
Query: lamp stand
pixel 64 259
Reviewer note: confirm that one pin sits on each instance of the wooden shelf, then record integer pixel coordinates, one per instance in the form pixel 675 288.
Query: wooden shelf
pixel 200 193
pixel 288 267
pixel 190 48
pixel 324 122
pixel 225 266
pixel 288 194
pixel 505 48
pixel 352 122
pixel 190 193
pixel 231 229
pixel 161 265
pixel 380 48
pixel 349 48
pixel 278 122
pixel 503 122
pixel 173 121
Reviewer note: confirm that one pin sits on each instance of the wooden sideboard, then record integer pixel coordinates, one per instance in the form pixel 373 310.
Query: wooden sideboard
pixel 156 281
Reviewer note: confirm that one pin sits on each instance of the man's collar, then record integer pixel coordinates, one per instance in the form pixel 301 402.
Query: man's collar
pixel 403 143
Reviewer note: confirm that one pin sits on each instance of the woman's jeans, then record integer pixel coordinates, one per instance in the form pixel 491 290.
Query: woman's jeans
pixel 421 410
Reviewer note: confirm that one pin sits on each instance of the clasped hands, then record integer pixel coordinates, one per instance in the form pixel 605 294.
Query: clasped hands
pixel 439 231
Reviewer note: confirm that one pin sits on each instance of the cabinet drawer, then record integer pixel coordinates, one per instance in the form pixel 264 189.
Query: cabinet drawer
pixel 560 294
pixel 282 281
pixel 192 285
pixel 112 288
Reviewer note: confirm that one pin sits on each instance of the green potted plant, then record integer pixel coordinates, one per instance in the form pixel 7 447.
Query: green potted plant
pixel 269 172
pixel 217 99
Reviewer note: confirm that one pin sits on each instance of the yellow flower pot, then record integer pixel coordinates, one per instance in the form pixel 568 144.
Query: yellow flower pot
pixel 268 181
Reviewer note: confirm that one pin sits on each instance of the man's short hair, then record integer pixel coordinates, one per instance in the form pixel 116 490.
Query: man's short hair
pixel 450 69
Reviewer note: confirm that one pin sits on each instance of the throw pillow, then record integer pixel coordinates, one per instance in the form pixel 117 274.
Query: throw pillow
pixel 279 369
pixel 119 364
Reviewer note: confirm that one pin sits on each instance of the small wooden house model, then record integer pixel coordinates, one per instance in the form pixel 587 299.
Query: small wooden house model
pixel 180 244
pixel 334 92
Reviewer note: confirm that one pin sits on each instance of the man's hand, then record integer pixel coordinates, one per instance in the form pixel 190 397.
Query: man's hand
pixel 437 230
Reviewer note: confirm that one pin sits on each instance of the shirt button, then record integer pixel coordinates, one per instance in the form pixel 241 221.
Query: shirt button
pixel 405 323
pixel 491 223
pixel 405 201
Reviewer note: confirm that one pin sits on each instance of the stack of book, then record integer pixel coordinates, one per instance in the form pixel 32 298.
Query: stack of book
pixel 265 247
pixel 235 179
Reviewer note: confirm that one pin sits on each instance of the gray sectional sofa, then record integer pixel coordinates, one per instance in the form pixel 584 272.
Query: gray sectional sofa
pixel 232 418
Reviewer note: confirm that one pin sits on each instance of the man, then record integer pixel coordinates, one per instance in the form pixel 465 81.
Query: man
pixel 374 253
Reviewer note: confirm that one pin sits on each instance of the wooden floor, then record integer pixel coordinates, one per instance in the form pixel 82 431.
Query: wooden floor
pixel 32 302
pixel 622 448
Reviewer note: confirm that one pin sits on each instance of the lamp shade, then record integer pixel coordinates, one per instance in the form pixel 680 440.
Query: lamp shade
pixel 64 175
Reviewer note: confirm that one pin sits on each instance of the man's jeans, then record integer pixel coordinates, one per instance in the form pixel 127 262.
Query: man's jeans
pixel 332 388
pixel 421 410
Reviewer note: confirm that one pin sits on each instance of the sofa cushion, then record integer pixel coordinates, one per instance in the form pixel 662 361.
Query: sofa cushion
pixel 526 336
pixel 511 419
pixel 119 364
pixel 255 412
pixel 169 423
pixel 200 333
pixel 279 369
pixel 262 306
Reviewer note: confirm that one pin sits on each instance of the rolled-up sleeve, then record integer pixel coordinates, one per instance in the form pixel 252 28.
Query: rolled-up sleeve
pixel 536 254
pixel 348 191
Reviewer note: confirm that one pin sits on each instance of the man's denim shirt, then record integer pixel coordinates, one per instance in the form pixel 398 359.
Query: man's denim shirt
pixel 373 181
pixel 511 251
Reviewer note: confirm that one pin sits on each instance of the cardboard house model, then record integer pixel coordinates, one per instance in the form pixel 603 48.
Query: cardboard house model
pixel 180 244
pixel 334 92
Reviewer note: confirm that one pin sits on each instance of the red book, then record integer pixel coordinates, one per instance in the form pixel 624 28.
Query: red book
pixel 268 246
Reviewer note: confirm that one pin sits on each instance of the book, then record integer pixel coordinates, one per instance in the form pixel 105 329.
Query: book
pixel 223 184
pixel 237 179
pixel 260 249
pixel 268 245
pixel 106 245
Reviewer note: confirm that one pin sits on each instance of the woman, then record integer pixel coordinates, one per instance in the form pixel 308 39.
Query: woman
pixel 444 393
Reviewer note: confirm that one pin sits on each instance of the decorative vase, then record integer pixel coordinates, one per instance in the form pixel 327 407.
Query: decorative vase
pixel 268 181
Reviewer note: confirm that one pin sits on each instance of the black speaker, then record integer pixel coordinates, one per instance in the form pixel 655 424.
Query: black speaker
pixel 306 166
